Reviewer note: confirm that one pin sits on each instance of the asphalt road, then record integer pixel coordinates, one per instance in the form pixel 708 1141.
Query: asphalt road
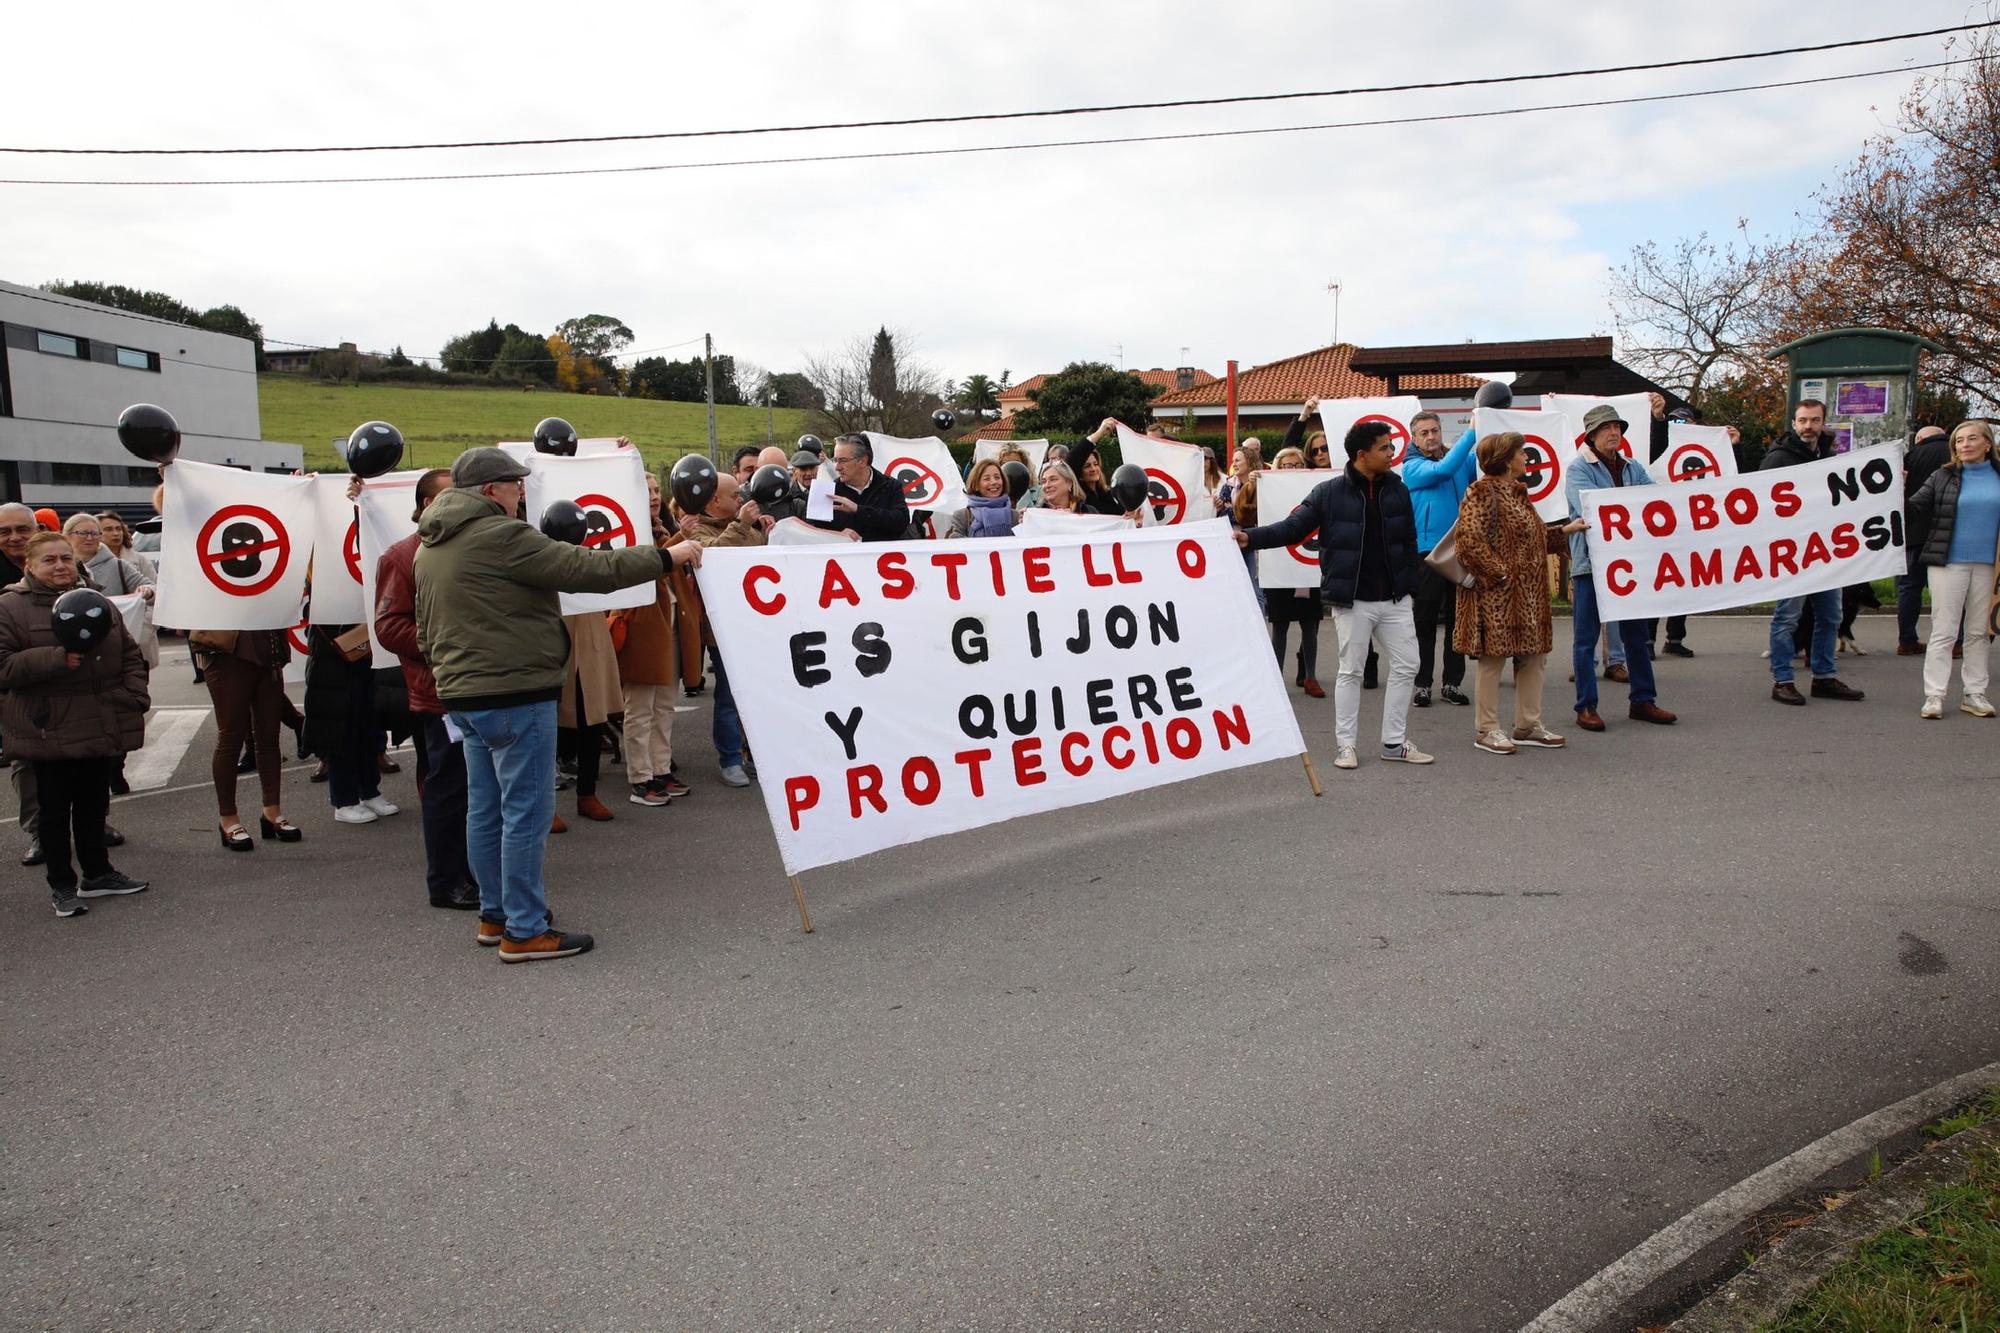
pixel 1421 1055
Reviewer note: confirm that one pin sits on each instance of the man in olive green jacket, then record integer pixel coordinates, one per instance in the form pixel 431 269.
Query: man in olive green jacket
pixel 490 624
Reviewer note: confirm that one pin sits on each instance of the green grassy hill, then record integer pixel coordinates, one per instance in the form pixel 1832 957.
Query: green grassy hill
pixel 439 423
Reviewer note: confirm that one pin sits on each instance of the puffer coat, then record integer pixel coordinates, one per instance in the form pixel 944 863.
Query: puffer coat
pixel 51 712
pixel 1505 546
pixel 1935 508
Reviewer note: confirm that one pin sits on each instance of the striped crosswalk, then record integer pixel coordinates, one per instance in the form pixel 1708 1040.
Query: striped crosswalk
pixel 169 733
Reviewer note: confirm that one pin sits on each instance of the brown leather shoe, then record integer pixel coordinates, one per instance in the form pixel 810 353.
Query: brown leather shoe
pixel 1788 693
pixel 556 825
pixel 1833 688
pixel 1652 712
pixel 1909 650
pixel 592 808
pixel 1618 673
pixel 1588 719
pixel 1312 689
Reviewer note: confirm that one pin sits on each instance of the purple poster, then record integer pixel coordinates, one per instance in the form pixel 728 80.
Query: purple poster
pixel 1861 398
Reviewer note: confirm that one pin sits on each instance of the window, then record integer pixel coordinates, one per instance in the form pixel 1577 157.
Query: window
pixel 133 359
pixel 58 344
pixel 75 474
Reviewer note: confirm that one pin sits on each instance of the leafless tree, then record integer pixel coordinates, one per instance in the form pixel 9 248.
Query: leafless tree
pixel 861 396
pixel 1690 315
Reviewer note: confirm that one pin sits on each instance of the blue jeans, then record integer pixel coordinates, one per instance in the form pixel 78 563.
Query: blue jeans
pixel 1583 650
pixel 726 729
pixel 1826 629
pixel 510 770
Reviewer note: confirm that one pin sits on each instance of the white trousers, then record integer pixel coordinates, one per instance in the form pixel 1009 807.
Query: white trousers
pixel 1960 594
pixel 1394 626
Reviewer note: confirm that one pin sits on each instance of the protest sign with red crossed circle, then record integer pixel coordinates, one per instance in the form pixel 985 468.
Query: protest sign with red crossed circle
pixel 1692 461
pixel 920 482
pixel 1164 494
pixel 605 522
pixel 350 548
pixel 243 549
pixel 1398 432
pixel 1307 551
pixel 1542 471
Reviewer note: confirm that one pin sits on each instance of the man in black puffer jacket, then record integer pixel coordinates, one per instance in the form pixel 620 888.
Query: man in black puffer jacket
pixel 1368 570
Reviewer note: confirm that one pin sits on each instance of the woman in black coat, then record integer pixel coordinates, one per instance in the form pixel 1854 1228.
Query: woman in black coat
pixel 341 725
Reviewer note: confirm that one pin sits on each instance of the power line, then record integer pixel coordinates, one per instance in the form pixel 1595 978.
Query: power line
pixel 904 122
pixel 1186 136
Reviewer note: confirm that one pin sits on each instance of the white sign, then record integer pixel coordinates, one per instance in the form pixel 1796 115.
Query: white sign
pixel 819 497
pixel 924 468
pixel 1337 416
pixel 336 574
pixel 1695 452
pixel 137 613
pixel 1680 548
pixel 798 532
pixel 611 491
pixel 1634 409
pixel 1176 479
pixel 234 547
pixel 1278 494
pixel 1036 450
pixel 523 451
pixel 1544 453
pixel 385 511
pixel 905 690
pixel 1039 522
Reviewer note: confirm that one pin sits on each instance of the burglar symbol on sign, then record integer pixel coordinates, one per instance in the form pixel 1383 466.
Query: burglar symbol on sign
pixel 605 523
pixel 1168 500
pixel 1539 471
pixel 1307 551
pixel 1691 462
pixel 243 550
pixel 921 486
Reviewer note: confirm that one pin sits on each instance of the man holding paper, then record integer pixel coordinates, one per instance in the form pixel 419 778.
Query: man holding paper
pixel 865 502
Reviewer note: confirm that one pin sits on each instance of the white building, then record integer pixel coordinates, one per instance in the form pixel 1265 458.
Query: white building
pixel 68 368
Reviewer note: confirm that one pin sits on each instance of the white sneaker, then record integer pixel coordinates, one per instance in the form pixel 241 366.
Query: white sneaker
pixel 1495 741
pixel 734 776
pixel 1932 710
pixel 354 814
pixel 1347 758
pixel 383 806
pixel 1407 753
pixel 1976 705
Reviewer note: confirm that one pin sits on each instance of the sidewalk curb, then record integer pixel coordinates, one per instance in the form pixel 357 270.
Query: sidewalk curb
pixel 1594 1302
pixel 1793 1266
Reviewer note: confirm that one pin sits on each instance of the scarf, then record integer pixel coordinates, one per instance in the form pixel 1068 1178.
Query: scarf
pixel 992 516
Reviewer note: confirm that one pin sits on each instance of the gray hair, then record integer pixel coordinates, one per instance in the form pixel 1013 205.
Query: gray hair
pixel 1062 469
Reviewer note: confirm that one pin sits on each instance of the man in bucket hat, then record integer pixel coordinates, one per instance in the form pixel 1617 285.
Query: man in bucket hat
pixel 1601 464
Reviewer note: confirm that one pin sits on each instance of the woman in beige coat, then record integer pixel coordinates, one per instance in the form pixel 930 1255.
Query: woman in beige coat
pixel 590 694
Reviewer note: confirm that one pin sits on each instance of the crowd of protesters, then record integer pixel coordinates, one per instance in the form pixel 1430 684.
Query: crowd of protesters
pixel 506 701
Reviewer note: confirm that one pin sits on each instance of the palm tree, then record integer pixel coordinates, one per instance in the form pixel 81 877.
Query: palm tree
pixel 977 395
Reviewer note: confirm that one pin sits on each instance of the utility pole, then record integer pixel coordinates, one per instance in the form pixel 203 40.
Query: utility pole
pixel 770 431
pixel 1121 356
pixel 1333 285
pixel 708 358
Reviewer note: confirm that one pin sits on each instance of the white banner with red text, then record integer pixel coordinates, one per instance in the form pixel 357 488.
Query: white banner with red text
pixel 901 691
pixel 1677 548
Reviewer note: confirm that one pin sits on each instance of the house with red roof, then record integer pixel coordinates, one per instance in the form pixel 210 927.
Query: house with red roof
pixel 1015 397
pixel 1268 397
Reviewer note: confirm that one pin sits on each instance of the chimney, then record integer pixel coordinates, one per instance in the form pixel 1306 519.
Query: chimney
pixel 348 347
pixel 1183 377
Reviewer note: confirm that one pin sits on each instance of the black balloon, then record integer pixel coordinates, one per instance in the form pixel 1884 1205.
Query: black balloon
pixel 565 521
pixel 1493 393
pixel 1128 486
pixel 374 448
pixel 813 444
pixel 692 482
pixel 1018 478
pixel 149 432
pixel 82 619
pixel 553 435
pixel 944 419
pixel 769 484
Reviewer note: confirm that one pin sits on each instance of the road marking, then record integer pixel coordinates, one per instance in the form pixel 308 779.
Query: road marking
pixel 169 733
pixel 1593 1303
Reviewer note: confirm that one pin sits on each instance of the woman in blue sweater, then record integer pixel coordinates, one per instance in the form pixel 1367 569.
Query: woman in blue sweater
pixel 1961 504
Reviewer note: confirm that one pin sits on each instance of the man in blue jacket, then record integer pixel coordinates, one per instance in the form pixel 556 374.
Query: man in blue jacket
pixel 1368 570
pixel 1437 479
pixel 1598 466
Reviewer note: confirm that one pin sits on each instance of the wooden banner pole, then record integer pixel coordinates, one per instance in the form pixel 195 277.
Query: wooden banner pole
pixel 1305 757
pixel 805 918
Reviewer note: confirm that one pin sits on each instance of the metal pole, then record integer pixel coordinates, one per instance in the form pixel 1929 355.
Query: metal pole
pixel 770 431
pixel 708 360
pixel 1229 428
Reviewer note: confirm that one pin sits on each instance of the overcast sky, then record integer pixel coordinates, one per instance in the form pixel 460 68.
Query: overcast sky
pixel 1021 261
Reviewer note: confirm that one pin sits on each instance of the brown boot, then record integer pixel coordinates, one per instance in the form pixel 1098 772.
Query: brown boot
pixel 1785 692
pixel 1312 689
pixel 556 825
pixel 592 808
pixel 1588 719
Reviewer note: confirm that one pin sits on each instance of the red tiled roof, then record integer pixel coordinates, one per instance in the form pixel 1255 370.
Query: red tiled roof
pixel 1000 428
pixel 1158 376
pixel 1323 373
